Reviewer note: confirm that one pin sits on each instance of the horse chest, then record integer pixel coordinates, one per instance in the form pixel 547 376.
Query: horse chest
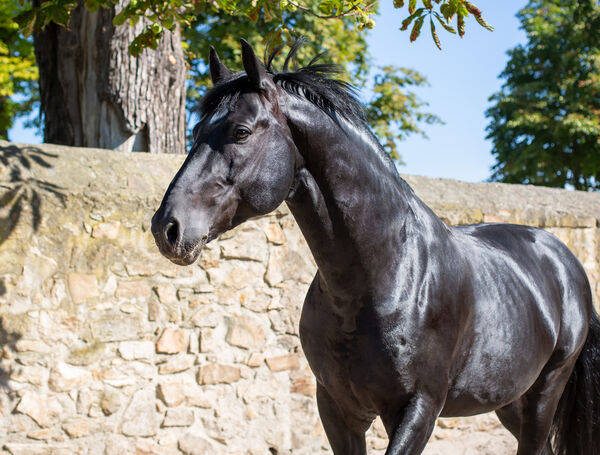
pixel 353 365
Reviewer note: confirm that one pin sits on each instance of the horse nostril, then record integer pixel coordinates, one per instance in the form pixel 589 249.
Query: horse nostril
pixel 172 233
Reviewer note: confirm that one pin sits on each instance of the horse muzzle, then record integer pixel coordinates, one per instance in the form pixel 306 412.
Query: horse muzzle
pixel 177 240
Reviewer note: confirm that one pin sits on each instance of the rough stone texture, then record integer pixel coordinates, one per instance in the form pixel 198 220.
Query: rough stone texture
pixel 64 378
pixel 172 341
pixel 216 374
pixel 44 409
pixel 87 304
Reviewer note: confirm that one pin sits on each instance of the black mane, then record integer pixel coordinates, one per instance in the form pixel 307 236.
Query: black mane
pixel 315 82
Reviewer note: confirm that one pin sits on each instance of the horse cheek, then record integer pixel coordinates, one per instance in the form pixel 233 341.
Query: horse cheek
pixel 272 183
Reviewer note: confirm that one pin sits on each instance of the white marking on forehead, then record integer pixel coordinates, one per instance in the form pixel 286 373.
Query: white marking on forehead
pixel 217 116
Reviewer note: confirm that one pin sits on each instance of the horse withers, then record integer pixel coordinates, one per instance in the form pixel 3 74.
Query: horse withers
pixel 407 318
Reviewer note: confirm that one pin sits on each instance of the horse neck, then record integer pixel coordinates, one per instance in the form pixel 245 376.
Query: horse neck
pixel 353 208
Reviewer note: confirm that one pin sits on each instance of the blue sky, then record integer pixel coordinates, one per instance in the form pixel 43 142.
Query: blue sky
pixel 462 77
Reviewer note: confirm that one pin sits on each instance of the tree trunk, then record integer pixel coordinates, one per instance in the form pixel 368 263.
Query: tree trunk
pixel 94 94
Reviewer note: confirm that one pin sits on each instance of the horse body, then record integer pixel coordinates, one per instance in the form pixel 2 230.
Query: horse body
pixel 417 296
pixel 406 318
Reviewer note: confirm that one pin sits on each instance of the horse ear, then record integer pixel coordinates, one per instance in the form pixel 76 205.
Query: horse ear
pixel 218 71
pixel 257 74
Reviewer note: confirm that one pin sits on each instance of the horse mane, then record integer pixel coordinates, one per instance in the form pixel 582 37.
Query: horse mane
pixel 316 82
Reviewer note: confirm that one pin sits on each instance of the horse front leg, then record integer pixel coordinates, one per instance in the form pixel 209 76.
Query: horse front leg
pixel 410 428
pixel 345 433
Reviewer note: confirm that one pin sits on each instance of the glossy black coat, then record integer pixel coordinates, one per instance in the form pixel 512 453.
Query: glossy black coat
pixel 406 318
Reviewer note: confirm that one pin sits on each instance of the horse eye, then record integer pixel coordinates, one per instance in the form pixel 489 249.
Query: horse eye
pixel 241 134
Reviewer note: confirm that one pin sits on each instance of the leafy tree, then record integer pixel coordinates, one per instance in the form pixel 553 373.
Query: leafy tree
pixel 393 112
pixel 545 122
pixel 167 14
pixel 122 121
pixel 93 93
pixel 18 70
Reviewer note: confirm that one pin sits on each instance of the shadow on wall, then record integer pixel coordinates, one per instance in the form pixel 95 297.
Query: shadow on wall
pixel 23 188
pixel 7 344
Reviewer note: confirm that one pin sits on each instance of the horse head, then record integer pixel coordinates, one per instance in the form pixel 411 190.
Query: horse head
pixel 241 164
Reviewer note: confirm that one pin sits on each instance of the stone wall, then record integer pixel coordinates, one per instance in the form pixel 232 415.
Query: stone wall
pixel 107 348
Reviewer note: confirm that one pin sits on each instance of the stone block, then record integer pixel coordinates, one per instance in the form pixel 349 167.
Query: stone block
pixel 178 417
pixel 82 287
pixel 44 409
pixel 195 396
pixel 205 317
pixel 118 444
pixel 77 427
pixel 284 362
pixel 136 350
pixel 275 234
pixel 39 449
pixel 110 402
pixel 24 345
pixel 44 434
pixel 110 327
pixel 245 332
pixel 108 230
pixel 255 360
pixel 304 386
pixel 166 294
pixel 247 243
pixel 177 364
pixel 215 373
pixel 288 264
pixel 258 302
pixel 191 444
pixel 35 375
pixel 149 447
pixel 172 341
pixel 138 289
pixel 139 419
pixel 86 355
pixel 171 393
pixel 238 275
pixel 64 377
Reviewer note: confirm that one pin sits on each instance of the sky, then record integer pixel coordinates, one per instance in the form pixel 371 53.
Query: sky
pixel 462 77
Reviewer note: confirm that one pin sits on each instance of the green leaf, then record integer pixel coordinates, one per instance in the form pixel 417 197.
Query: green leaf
pixel 406 22
pixel 448 10
pixel 26 20
pixel 443 23
pixel 120 18
pixel 460 24
pixel 412 4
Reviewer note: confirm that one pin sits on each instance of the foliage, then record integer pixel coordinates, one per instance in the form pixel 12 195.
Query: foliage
pixel 168 13
pixel 393 112
pixel 18 70
pixel 545 122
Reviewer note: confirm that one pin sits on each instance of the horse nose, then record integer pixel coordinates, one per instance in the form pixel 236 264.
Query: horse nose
pixel 171 233
pixel 166 230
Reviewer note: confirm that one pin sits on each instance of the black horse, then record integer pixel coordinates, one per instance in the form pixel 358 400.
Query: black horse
pixel 406 318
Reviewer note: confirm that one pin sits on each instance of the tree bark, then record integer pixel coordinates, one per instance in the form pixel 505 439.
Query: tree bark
pixel 94 94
